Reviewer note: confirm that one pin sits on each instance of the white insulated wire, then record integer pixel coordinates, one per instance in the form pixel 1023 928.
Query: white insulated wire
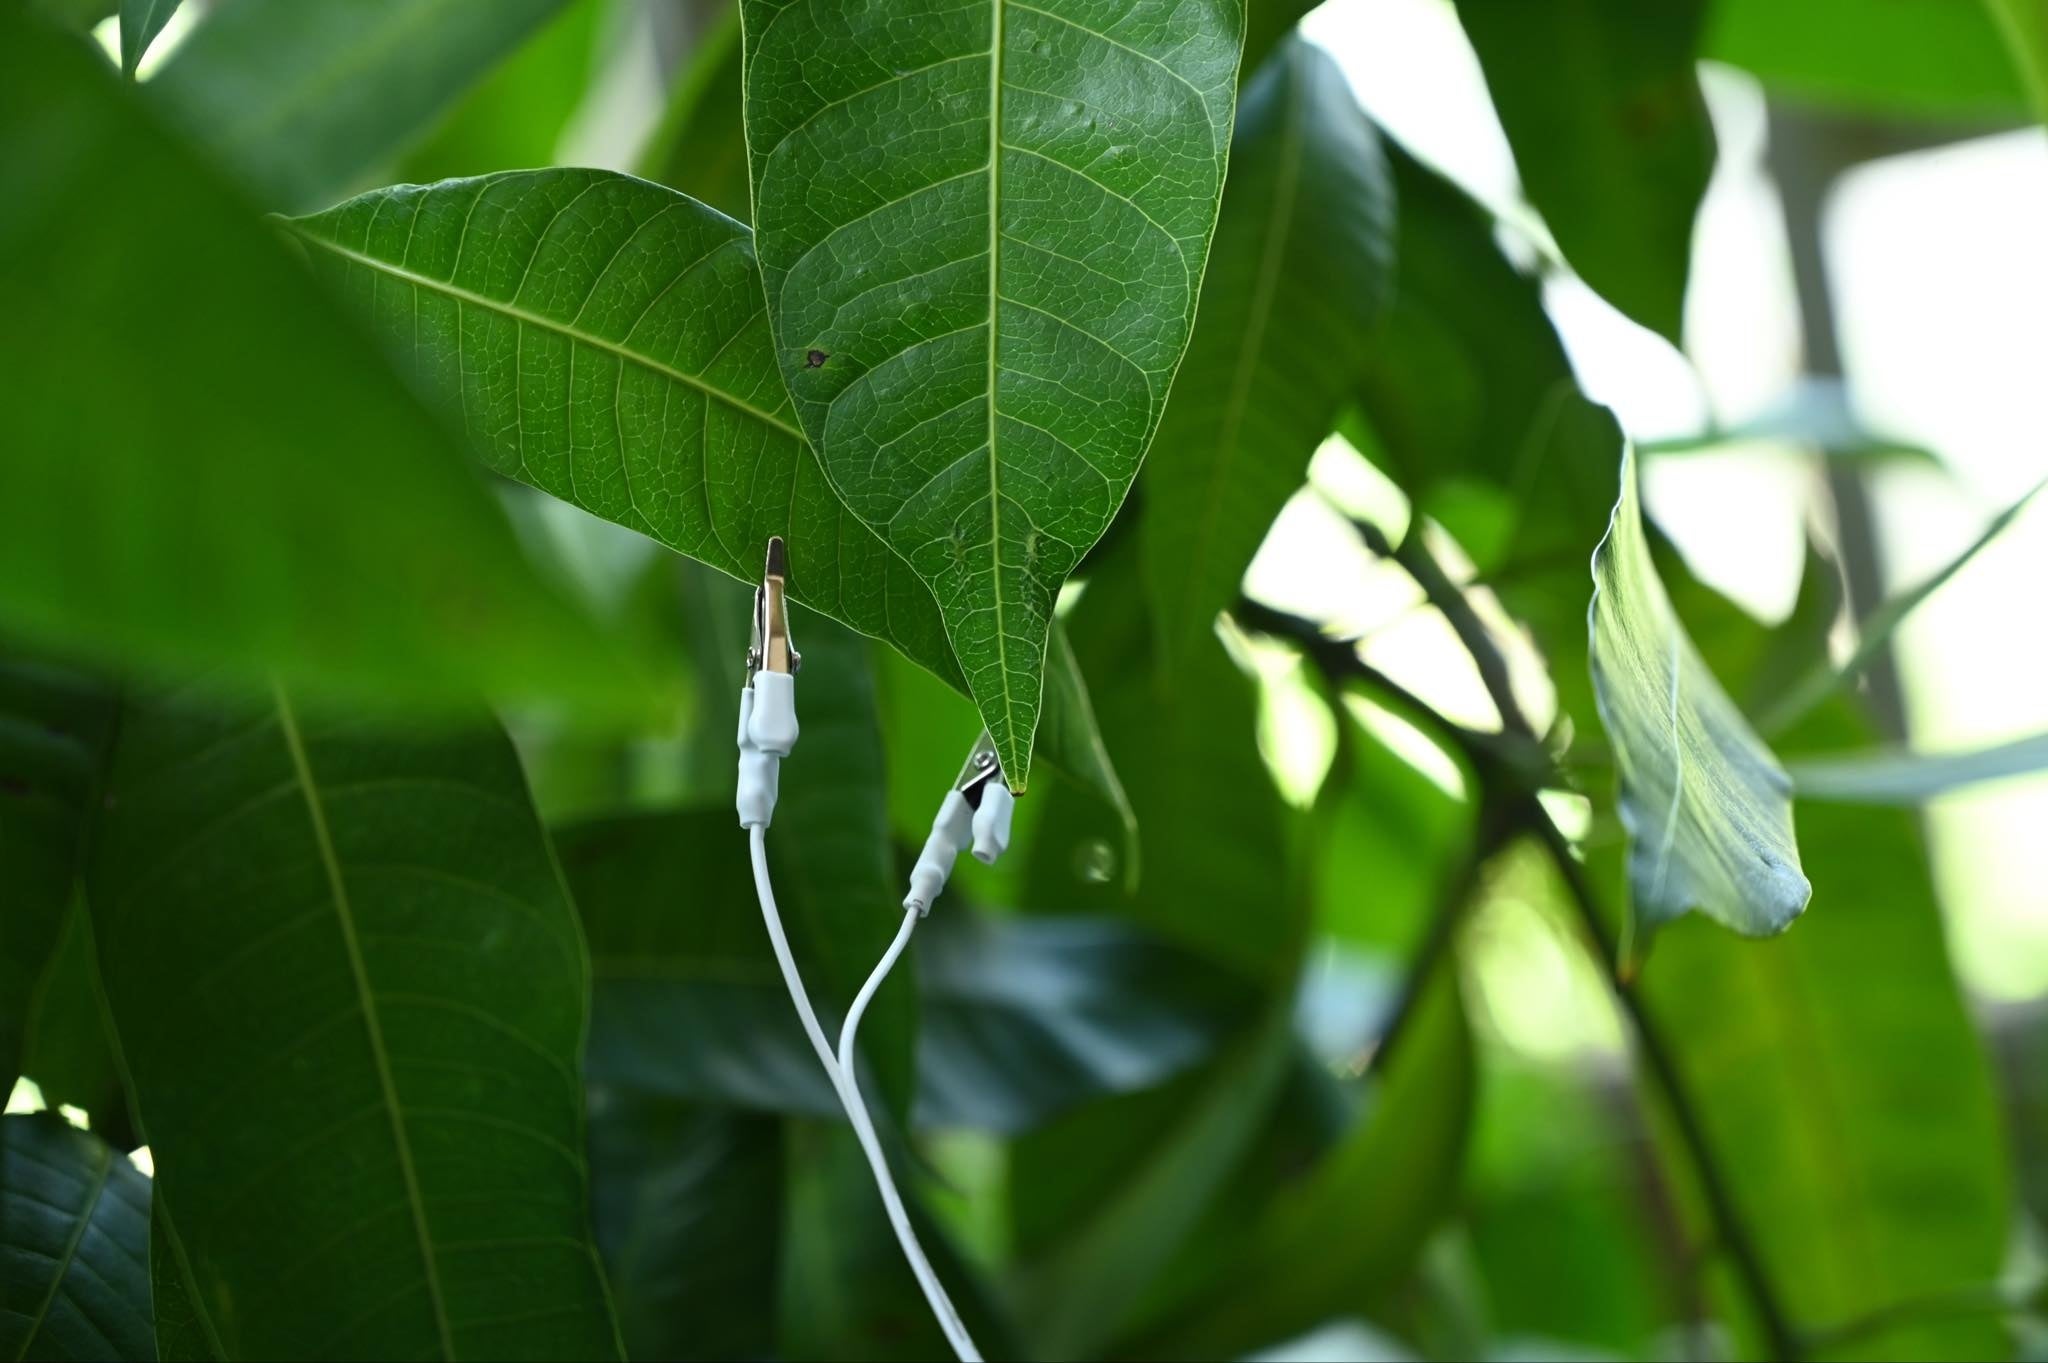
pixel 841 1071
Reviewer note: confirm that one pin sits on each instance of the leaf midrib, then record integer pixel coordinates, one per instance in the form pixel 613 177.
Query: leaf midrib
pixel 995 298
pixel 317 816
pixel 527 318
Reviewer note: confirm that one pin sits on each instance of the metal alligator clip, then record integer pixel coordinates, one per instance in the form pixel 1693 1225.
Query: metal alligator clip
pixel 769 648
pixel 979 771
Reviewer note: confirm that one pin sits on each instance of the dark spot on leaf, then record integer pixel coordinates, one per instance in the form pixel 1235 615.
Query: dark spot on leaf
pixel 816 359
pixel 14 785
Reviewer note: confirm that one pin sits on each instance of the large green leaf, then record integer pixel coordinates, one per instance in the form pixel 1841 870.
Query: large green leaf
pixel 1470 404
pixel 54 726
pixel 1301 264
pixel 1912 58
pixel 1020 1017
pixel 602 339
pixel 1707 807
pixel 2024 26
pixel 350 991
pixel 304 97
pixel 687 1202
pixel 1815 1059
pixel 74 1245
pixel 1603 109
pixel 66 1049
pixel 206 462
pixel 982 229
pixel 183 1334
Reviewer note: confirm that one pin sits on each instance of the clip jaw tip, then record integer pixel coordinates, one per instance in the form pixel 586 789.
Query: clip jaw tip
pixel 770 648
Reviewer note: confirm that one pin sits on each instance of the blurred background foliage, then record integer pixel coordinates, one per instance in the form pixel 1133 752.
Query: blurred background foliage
pixel 1307 1019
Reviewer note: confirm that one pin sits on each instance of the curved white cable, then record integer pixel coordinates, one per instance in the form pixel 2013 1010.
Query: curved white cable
pixel 841 1071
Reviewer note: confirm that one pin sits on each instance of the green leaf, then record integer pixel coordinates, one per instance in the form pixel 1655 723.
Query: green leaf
pixel 1341 1231
pixel 979 321
pixel 1301 264
pixel 1707 807
pixel 141 21
pixel 1873 634
pixel 1815 414
pixel 183 1334
pixel 265 492
pixel 1924 59
pixel 603 339
pixel 1815 1087
pixel 2024 26
pixel 1470 405
pixel 1603 109
pixel 1020 1017
pixel 350 991
pixel 74 1244
pixel 1267 24
pixel 516 116
pixel 700 147
pixel 305 97
pixel 67 1050
pixel 54 727
pixel 1885 776
pixel 687 1202
pixel 593 316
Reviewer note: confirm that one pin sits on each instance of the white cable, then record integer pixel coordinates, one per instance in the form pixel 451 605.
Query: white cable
pixel 844 1083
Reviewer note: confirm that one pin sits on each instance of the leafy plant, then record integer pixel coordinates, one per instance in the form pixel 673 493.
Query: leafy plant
pixel 372 920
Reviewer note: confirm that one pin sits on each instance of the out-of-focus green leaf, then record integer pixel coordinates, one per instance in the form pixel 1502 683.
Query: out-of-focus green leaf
pixel 304 97
pixel 1469 404
pixel 181 1328
pixel 1903 58
pixel 687 1204
pixel 636 340
pixel 1086 1288
pixel 847 1292
pixel 1020 1017
pixel 1901 777
pixel 1234 888
pixel 1299 270
pixel 1843 1089
pixel 979 324
pixel 1814 414
pixel 700 147
pixel 1341 1231
pixel 1266 25
pixel 1603 109
pixel 1707 807
pixel 141 21
pixel 66 1049
pixel 350 993
pixel 1873 634
pixel 74 1245
pixel 54 726
pixel 206 463
pixel 514 118
pixel 2024 26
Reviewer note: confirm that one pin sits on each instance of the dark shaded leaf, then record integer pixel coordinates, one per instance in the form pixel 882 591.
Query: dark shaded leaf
pixel 350 992
pixel 1707 807
pixel 263 491
pixel 687 1203
pixel 67 1050
pixel 515 117
pixel 74 1245
pixel 1301 264
pixel 1603 109
pixel 305 97
pixel 979 324
pixel 183 1334
pixel 54 726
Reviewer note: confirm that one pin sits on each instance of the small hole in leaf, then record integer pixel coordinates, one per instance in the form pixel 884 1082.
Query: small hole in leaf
pixel 816 359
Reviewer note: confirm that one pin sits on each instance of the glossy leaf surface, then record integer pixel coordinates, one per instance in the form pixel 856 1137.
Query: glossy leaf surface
pixel 292 509
pixel 1707 807
pixel 982 229
pixel 350 992
pixel 1301 265
pixel 74 1245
